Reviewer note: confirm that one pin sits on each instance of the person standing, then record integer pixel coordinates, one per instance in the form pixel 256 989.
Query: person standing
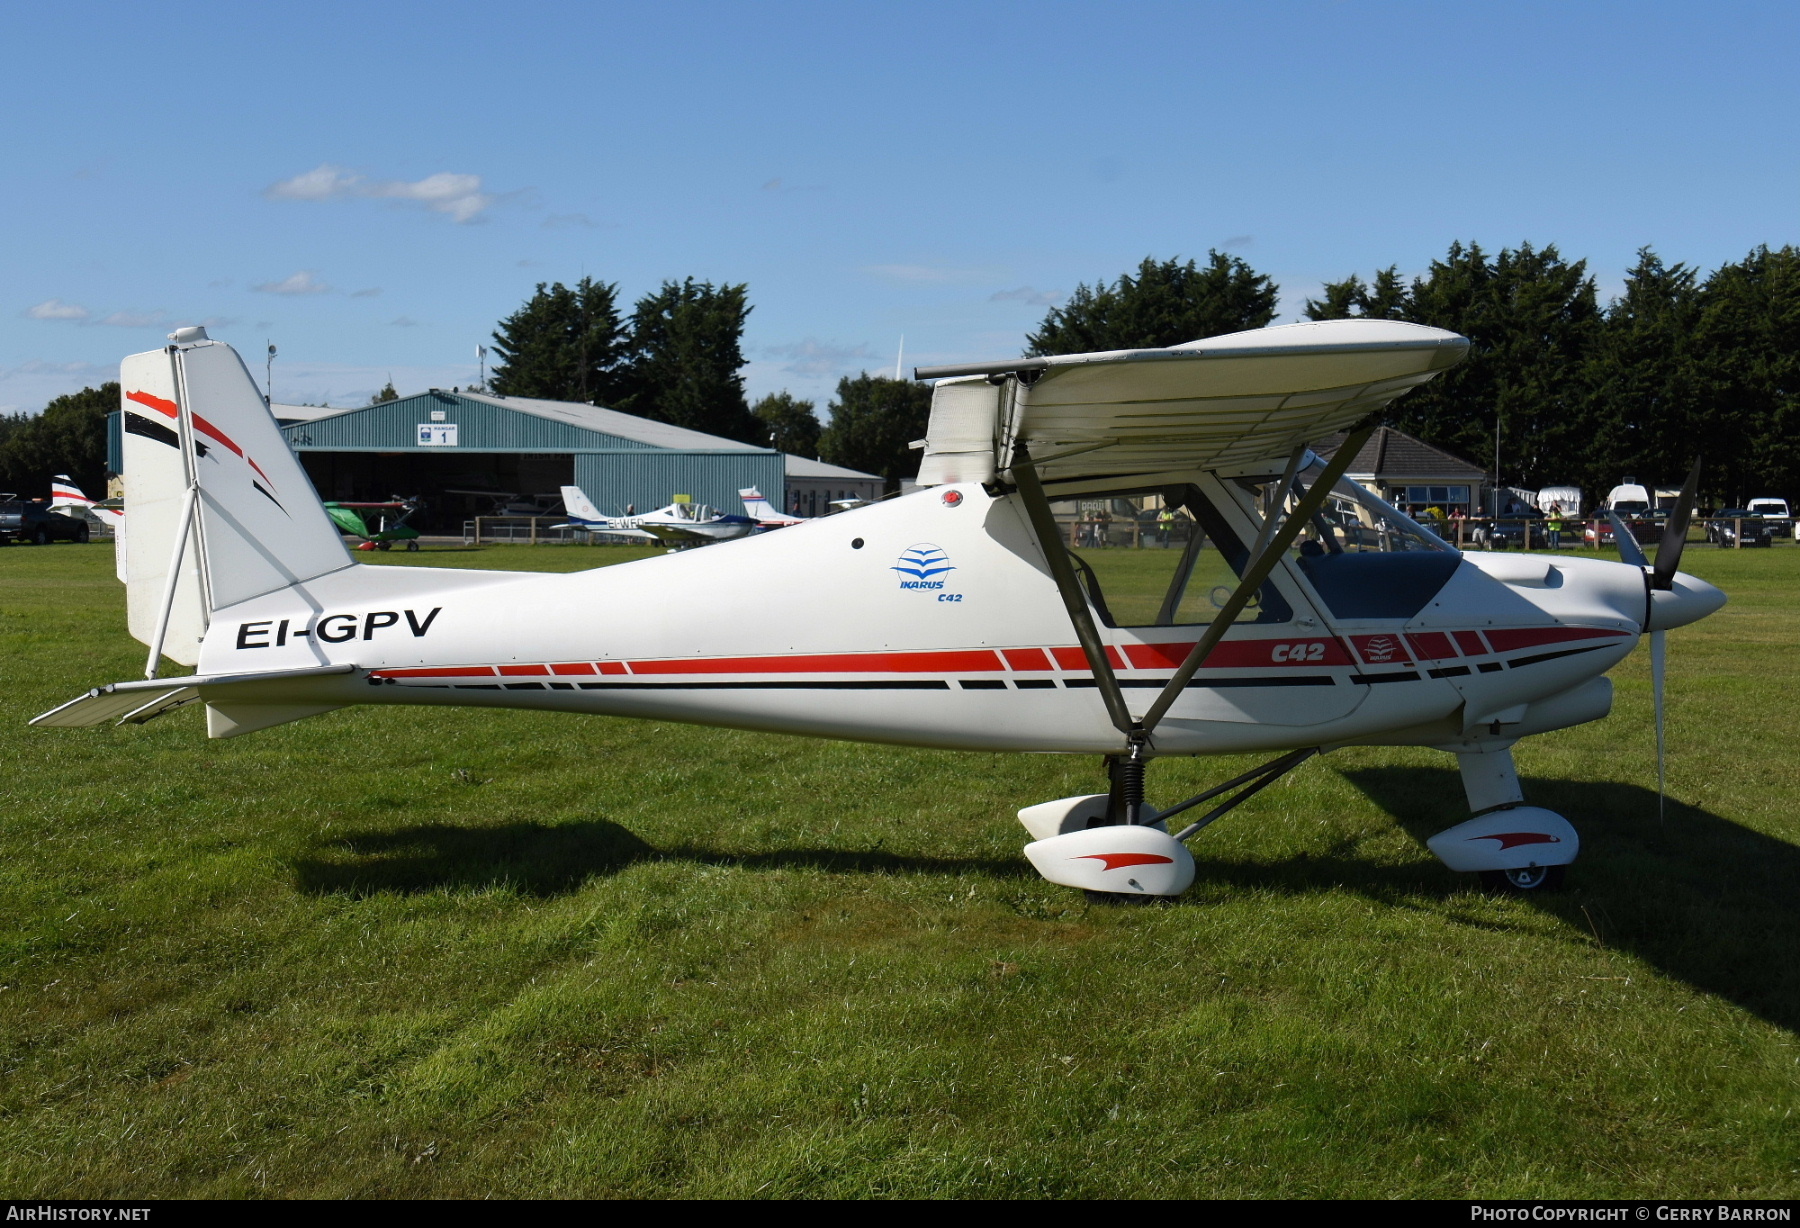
pixel 1165 523
pixel 1553 527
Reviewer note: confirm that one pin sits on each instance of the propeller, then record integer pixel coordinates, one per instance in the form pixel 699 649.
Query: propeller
pixel 1662 579
pixel 1674 537
pixel 1627 542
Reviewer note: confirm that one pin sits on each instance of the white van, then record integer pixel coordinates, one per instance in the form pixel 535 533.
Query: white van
pixel 1628 499
pixel 1770 508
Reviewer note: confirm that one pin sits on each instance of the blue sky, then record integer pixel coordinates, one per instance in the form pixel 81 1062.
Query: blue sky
pixel 372 186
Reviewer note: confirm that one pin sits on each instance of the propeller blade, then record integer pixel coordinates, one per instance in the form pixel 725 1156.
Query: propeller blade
pixel 1674 538
pixel 1659 660
pixel 1626 540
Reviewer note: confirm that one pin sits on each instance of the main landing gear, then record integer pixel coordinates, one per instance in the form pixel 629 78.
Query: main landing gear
pixel 1118 849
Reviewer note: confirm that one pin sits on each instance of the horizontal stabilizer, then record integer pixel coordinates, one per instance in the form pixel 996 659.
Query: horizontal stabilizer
pixel 137 702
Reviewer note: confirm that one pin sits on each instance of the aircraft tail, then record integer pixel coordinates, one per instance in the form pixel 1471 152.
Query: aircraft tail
pixel 756 505
pixel 579 506
pixel 64 493
pixel 221 510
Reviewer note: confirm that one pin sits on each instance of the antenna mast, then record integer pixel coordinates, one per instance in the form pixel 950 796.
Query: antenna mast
pixel 900 358
pixel 269 377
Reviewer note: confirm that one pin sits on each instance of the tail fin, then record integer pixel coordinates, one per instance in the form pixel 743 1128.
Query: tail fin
pixel 64 493
pixel 579 505
pixel 221 510
pixel 755 505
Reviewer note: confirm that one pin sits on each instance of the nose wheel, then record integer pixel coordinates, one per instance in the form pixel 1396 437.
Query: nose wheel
pixel 1533 880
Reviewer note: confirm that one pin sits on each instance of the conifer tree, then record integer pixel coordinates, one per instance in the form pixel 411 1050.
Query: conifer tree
pixel 686 352
pixel 563 345
pixel 1162 304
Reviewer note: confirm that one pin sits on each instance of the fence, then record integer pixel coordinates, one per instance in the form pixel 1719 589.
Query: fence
pixel 1472 533
pixel 531 530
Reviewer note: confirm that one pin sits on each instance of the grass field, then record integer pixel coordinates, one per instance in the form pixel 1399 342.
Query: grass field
pixel 452 953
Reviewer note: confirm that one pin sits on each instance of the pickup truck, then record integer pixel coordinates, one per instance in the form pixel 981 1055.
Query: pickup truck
pixel 31 520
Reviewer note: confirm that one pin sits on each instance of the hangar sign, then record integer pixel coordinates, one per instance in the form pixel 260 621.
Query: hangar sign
pixel 437 434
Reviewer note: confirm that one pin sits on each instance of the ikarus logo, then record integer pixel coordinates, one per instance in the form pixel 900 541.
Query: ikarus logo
pixel 923 566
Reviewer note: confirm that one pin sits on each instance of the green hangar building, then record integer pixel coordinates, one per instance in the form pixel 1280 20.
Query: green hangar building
pixel 470 453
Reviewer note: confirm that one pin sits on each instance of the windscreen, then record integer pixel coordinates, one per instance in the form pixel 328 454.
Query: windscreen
pixel 1365 558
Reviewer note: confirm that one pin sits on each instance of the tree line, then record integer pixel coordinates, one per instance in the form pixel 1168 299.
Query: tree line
pixel 1680 365
pixel 1582 393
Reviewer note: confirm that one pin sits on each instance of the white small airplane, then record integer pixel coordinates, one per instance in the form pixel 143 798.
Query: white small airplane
pixel 760 510
pixel 65 495
pixel 1302 615
pixel 677 525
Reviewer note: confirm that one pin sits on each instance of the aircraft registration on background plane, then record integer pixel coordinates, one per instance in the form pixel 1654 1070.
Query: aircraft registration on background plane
pixel 1303 614
pixel 677 525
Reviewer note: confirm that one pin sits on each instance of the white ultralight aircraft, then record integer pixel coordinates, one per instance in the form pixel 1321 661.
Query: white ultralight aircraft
pixel 677 526
pixel 1302 614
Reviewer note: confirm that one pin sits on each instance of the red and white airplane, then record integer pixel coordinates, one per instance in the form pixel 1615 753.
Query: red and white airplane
pixel 65 495
pixel 1302 614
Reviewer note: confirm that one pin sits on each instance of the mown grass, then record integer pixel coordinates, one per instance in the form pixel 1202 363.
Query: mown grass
pixel 455 953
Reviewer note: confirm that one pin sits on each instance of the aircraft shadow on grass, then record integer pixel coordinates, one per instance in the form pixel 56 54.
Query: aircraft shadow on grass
pixel 1697 896
pixel 544 859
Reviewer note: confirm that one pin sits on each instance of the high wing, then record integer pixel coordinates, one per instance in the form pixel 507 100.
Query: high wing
pixel 1213 404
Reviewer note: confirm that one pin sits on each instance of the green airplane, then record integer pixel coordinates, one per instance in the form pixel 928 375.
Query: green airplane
pixel 349 518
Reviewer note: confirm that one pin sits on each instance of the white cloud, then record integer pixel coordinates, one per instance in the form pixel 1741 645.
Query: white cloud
pixel 371 292
pixel 56 309
pixel 136 319
pixel 1238 241
pixel 302 282
pixel 1026 294
pixel 403 322
pixel 322 183
pixel 458 196
pixel 812 357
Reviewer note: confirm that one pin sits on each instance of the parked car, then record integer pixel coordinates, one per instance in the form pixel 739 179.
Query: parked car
pixel 31 520
pixel 1776 512
pixel 1509 531
pixel 1723 528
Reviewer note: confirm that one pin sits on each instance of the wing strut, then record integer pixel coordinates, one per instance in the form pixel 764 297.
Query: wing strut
pixel 1043 525
pixel 1256 572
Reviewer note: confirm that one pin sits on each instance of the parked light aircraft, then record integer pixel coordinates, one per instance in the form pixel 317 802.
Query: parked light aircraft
pixel 760 510
pixel 677 525
pixel 1302 615
pixel 66 496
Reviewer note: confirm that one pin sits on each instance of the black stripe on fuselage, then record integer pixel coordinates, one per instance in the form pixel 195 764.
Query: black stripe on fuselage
pixel 1210 684
pixel 1551 656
